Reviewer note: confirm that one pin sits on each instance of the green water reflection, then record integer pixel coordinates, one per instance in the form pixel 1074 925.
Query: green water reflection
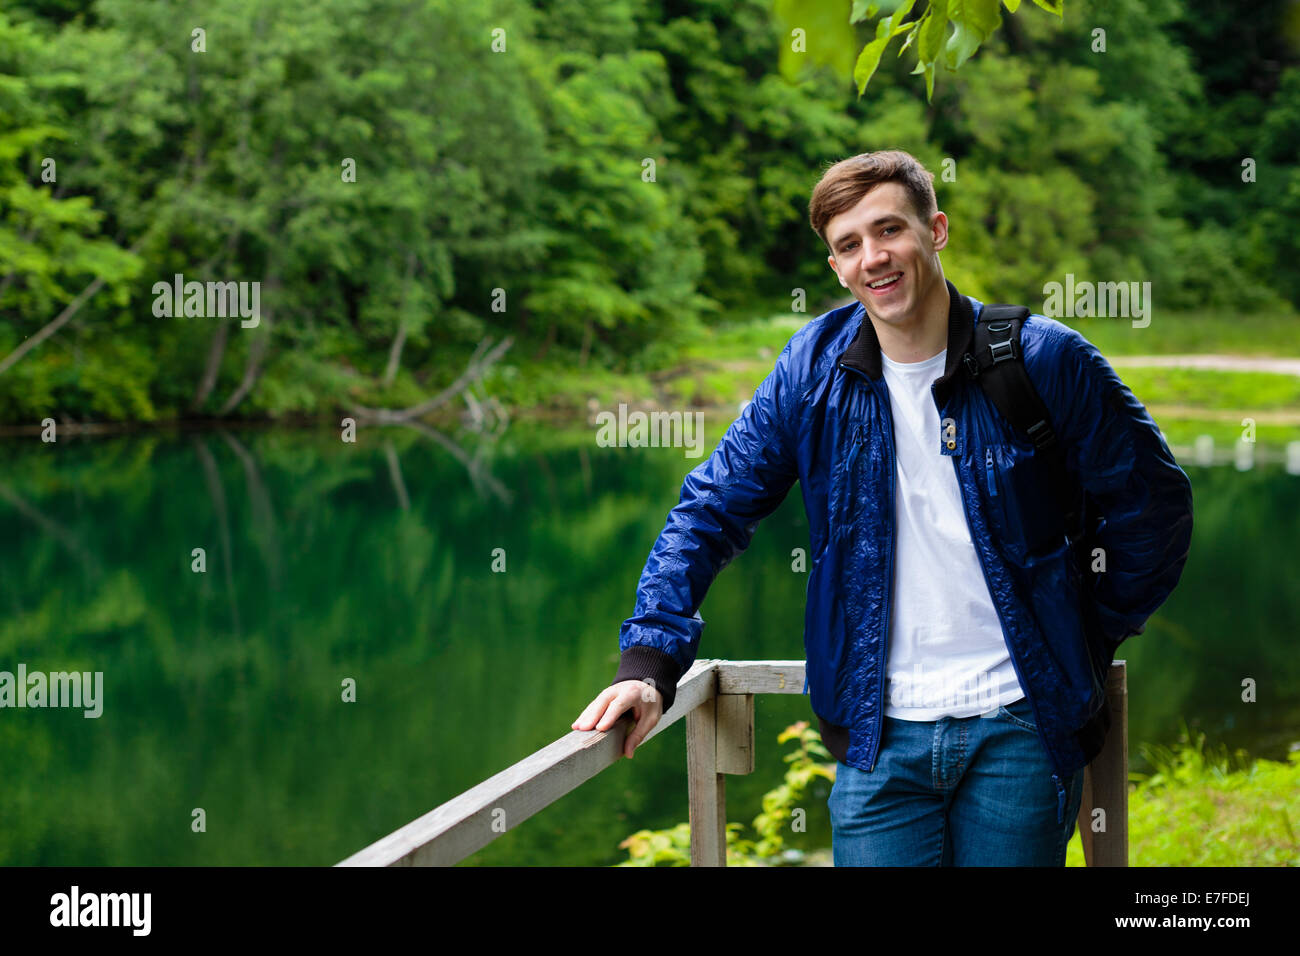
pixel 373 561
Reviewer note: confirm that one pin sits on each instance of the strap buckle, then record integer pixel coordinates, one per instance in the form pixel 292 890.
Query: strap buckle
pixel 1042 435
pixel 1001 351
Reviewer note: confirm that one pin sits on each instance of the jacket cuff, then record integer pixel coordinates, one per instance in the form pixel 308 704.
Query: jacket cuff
pixel 642 662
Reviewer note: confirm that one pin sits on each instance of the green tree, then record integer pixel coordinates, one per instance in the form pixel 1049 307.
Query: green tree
pixel 54 257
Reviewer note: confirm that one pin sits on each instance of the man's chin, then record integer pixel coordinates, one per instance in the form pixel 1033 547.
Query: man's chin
pixel 892 313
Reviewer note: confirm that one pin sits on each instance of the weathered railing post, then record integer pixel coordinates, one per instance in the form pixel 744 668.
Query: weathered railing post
pixel 705 784
pixel 1105 782
pixel 735 733
pixel 720 740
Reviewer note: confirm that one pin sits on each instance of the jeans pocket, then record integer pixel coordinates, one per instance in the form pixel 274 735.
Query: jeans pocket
pixel 1019 713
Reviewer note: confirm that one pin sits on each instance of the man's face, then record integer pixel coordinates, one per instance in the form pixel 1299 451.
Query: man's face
pixel 882 238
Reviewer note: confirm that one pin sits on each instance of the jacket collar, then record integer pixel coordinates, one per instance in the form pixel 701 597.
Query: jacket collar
pixel 863 352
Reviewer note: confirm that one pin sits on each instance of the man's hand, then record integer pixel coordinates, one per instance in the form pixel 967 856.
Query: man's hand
pixel 641 698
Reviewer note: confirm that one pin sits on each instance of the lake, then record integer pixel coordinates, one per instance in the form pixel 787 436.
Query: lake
pixel 327 565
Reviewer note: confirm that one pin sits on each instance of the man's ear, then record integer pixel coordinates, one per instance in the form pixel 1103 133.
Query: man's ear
pixel 939 231
pixel 830 260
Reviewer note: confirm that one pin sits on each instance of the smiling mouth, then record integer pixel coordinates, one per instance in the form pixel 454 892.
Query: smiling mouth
pixel 885 283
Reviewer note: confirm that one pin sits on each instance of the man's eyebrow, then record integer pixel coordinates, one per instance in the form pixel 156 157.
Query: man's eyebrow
pixel 878 221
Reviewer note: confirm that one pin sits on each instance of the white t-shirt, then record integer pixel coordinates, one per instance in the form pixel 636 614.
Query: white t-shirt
pixel 947 654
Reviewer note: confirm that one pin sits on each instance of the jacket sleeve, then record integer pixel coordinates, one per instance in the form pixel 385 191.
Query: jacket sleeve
pixel 722 501
pixel 1141 496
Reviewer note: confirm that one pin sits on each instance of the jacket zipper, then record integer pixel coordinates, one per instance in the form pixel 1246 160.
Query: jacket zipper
pixel 889 580
pixel 1015 663
pixel 848 472
pixel 989 472
pixel 889 568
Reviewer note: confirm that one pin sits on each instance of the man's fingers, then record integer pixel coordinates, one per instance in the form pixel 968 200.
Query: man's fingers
pixel 615 702
pixel 647 717
pixel 614 710
pixel 594 710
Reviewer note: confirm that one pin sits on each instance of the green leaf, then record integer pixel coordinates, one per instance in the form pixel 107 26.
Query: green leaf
pixel 868 60
pixel 870 56
pixel 933 26
pixel 900 14
pixel 911 35
pixel 975 21
pixel 837 43
pixel 862 10
pixel 1051 6
pixel 1012 5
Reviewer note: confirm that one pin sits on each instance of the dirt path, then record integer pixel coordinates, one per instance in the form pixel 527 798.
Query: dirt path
pixel 1269 417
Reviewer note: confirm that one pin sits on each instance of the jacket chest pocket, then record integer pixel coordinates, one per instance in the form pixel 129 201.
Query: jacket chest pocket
pixel 1019 500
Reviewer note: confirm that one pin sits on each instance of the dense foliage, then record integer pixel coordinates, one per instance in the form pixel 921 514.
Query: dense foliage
pixel 592 179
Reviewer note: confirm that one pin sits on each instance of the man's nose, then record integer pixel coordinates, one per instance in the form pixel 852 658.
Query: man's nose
pixel 874 258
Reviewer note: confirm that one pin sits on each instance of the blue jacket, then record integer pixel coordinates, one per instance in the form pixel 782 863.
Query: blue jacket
pixel 822 417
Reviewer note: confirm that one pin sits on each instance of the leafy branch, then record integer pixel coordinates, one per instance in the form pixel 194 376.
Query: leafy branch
pixel 972 21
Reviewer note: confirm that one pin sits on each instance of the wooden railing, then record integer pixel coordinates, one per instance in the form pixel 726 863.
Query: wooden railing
pixel 717 700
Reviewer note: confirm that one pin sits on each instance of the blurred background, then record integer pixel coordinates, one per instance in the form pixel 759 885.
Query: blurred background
pixel 472 227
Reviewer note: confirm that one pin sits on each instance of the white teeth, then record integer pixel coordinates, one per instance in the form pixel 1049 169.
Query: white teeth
pixel 885 281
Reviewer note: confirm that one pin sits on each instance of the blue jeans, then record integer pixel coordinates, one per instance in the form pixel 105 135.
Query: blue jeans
pixel 958 791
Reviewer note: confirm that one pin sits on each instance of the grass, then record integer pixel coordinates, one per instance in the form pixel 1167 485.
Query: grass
pixel 1206 807
pixel 1243 392
pixel 1225 432
pixel 1188 403
pixel 1219 333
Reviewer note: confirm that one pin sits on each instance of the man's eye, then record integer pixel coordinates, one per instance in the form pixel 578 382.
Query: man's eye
pixel 890 229
pixel 849 246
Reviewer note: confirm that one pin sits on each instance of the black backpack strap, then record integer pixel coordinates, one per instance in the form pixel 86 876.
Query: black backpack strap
pixel 996 363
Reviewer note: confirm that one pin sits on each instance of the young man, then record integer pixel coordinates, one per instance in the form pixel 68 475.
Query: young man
pixel 957 643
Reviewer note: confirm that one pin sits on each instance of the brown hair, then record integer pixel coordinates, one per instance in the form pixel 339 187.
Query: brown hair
pixel 846 182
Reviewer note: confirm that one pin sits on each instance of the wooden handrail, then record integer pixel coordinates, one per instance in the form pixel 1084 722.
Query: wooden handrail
pixel 717 700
